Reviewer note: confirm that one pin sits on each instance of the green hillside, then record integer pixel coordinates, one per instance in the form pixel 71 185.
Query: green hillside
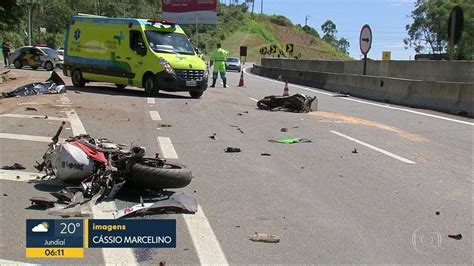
pixel 237 27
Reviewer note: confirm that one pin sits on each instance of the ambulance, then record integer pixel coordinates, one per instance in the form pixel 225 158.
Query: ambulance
pixel 151 54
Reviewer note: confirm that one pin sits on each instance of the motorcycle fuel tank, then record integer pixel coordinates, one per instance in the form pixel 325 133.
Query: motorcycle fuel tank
pixel 71 163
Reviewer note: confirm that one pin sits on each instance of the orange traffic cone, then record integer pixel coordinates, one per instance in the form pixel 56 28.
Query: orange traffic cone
pixel 285 90
pixel 241 82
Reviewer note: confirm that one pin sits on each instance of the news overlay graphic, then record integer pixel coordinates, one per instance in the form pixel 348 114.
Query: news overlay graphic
pixel 132 234
pixel 54 238
pixel 190 11
pixel 64 238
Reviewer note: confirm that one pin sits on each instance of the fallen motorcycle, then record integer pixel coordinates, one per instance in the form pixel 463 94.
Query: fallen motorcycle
pixel 102 165
pixel 298 103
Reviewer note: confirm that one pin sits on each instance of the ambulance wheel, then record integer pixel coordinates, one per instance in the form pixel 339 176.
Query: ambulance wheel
pixel 196 94
pixel 120 86
pixel 151 88
pixel 77 79
pixel 49 66
pixel 17 64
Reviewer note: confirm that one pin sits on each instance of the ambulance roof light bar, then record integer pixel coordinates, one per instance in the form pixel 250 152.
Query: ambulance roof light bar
pixel 162 21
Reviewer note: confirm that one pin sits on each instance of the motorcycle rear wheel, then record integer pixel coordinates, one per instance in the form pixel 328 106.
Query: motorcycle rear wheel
pixel 148 173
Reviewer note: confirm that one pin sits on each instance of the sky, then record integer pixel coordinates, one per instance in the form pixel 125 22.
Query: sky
pixel 386 18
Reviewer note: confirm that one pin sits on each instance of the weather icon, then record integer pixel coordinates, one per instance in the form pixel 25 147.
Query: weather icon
pixel 41 228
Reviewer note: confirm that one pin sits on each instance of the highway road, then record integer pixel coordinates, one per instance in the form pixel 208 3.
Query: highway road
pixel 396 200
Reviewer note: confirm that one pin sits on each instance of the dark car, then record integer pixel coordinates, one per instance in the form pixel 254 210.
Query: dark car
pixel 233 63
pixel 37 57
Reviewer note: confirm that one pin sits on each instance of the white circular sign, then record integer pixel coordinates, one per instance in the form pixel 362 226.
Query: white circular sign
pixel 365 39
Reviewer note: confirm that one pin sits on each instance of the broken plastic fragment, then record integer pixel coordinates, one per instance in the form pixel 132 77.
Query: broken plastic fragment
pixel 291 140
pixel 264 238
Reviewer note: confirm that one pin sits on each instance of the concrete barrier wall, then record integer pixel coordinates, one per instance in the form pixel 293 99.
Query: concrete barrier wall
pixel 456 71
pixel 450 97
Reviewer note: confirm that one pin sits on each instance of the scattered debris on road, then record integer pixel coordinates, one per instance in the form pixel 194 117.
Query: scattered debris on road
pixel 31 109
pixel 438 213
pixel 457 237
pixel 53 85
pixel 290 140
pixel 213 136
pixel 165 125
pixel 169 202
pixel 41 202
pixel 264 238
pixel 297 103
pixel 78 92
pixel 5 76
pixel 232 150
pixel 284 129
pixel 265 154
pixel 15 166
pixel 354 151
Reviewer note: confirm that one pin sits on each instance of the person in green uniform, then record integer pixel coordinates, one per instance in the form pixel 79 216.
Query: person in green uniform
pixel 218 58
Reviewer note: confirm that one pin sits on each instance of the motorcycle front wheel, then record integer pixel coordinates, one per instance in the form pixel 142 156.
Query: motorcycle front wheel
pixel 151 174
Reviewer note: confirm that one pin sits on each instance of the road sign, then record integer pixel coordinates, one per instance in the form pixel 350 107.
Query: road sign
pixel 289 48
pixel 386 55
pixel 455 24
pixel 365 39
pixel 273 49
pixel 243 50
pixel 263 50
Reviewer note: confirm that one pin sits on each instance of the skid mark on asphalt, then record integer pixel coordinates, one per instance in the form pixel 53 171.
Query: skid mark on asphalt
pixel 363 102
pixel 400 158
pixel 359 121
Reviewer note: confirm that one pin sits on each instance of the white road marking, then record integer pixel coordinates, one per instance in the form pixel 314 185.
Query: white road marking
pixel 253 99
pixel 205 242
pixel 167 148
pixel 410 111
pixel 123 256
pixel 207 247
pixel 76 124
pixel 25 137
pixel 365 102
pixel 34 116
pixel 374 148
pixel 151 100
pixel 155 116
pixel 11 175
pixel 65 100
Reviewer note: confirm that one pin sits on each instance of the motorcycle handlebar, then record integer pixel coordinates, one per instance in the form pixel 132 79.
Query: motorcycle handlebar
pixel 55 138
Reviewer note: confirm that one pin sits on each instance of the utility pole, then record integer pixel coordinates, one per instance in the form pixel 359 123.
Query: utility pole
pixel 31 3
pixel 261 6
pixel 306 20
pixel 253 5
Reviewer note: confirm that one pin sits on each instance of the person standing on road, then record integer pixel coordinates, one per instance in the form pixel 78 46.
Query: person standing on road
pixel 218 58
pixel 6 48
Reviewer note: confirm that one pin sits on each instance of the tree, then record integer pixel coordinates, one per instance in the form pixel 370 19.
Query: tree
pixel 329 30
pixel 343 45
pixel 428 31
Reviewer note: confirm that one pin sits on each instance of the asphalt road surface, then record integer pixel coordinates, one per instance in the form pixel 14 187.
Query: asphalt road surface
pixel 396 200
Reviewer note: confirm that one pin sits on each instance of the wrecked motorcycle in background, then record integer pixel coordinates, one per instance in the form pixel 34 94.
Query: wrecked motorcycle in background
pixel 102 168
pixel 298 103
